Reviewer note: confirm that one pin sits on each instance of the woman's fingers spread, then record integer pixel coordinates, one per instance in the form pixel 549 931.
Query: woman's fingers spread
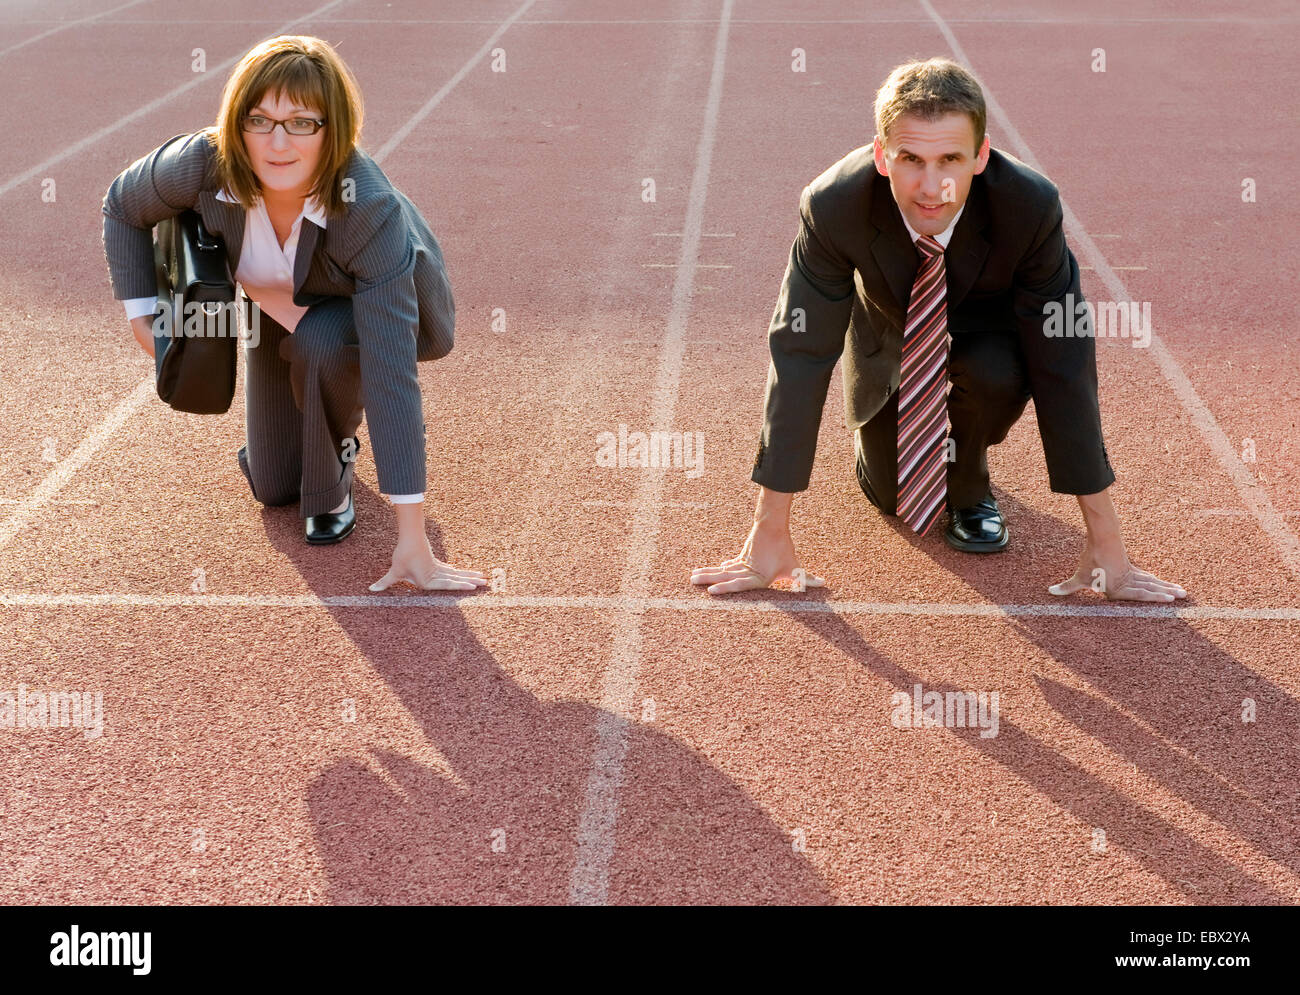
pixel 724 565
pixel 1151 580
pixel 437 583
pixel 448 569
pixel 441 580
pixel 472 576
pixel 471 583
pixel 448 578
pixel 1135 587
pixel 708 575
pixel 1141 594
pixel 1150 584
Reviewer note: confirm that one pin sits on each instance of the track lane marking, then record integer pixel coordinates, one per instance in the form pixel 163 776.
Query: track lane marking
pixel 63 26
pixel 597 822
pixel 108 129
pixel 631 605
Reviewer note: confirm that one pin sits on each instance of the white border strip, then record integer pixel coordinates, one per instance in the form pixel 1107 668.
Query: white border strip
pixel 1252 495
pixel 638 606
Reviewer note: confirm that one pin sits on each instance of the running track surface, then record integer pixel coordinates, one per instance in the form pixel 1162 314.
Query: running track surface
pixel 598 730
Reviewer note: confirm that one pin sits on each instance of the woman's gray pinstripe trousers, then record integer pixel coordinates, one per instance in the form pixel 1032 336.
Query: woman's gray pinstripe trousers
pixel 302 406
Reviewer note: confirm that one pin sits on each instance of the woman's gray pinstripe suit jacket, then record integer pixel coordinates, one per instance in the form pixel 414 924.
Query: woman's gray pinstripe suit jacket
pixel 380 253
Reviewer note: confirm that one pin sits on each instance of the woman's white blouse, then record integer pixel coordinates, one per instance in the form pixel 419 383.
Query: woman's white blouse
pixel 266 275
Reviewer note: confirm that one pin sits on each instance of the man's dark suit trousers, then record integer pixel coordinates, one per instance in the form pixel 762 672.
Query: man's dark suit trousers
pixel 989 393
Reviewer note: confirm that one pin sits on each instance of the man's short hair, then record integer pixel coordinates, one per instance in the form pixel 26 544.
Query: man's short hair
pixel 929 90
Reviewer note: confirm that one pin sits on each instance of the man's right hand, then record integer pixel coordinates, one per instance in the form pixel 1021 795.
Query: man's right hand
pixel 768 554
pixel 142 329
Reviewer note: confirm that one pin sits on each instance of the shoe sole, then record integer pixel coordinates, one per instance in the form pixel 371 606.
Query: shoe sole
pixel 978 547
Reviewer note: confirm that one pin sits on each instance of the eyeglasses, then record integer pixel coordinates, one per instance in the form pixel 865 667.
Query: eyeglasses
pixel 300 126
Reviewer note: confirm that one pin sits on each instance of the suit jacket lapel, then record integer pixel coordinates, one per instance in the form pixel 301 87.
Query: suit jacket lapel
pixel 308 233
pixel 968 248
pixel 227 220
pixel 892 247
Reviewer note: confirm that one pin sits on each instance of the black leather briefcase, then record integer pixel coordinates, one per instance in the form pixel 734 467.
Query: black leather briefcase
pixel 195 324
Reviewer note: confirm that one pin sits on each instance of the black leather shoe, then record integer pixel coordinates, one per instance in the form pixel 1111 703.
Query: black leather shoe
pixel 327 528
pixel 977 529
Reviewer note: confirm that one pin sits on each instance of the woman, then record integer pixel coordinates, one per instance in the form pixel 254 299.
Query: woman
pixel 339 269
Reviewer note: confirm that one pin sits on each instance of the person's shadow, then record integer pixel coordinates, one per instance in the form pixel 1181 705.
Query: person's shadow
pixel 502 827
pixel 1178 716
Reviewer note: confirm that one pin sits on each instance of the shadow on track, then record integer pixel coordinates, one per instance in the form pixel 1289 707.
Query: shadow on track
pixel 1163 672
pixel 685 833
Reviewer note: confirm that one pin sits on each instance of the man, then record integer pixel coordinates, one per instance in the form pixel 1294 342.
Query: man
pixel 942 258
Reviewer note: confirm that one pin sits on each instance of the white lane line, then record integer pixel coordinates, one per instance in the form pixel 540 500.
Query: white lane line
pixel 144 390
pixel 400 135
pixel 61 501
pixel 64 470
pixel 801 22
pixel 589 883
pixel 64 25
pixel 1252 495
pixel 42 168
pixel 675 265
pixel 640 605
pixel 1238 512
pixel 601 503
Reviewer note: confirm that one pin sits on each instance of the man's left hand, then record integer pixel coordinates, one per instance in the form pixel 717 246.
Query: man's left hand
pixel 1105 567
pixel 1117 578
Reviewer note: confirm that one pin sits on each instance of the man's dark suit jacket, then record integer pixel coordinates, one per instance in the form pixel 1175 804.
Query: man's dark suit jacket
pixel 379 252
pixel 851 271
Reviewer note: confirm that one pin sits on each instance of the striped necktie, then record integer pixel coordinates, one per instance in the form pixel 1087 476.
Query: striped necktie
pixel 923 395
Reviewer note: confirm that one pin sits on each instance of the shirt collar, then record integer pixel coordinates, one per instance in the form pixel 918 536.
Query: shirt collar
pixel 311 208
pixel 944 237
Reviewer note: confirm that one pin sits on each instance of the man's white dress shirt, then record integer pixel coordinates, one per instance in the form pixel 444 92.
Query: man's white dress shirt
pixel 943 238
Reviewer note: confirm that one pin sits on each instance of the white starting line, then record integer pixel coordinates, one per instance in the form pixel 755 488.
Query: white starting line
pixel 791 604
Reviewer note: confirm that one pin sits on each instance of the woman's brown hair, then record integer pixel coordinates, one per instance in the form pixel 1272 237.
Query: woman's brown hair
pixel 311 73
